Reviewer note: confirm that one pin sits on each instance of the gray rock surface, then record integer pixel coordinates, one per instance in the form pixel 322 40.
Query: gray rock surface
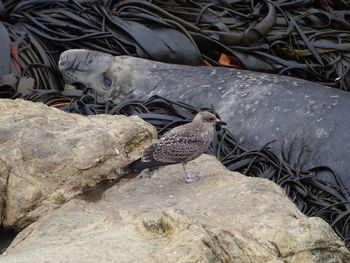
pixel 48 156
pixel 224 217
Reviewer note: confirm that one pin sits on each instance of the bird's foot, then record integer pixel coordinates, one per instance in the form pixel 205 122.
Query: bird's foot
pixel 145 173
pixel 191 177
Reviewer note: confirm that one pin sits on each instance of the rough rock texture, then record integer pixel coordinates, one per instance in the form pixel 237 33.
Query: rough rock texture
pixel 47 156
pixel 224 217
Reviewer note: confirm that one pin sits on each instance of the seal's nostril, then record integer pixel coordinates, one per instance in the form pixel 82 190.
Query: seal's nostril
pixel 62 61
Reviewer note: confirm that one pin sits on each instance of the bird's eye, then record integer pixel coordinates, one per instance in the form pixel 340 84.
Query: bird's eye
pixel 107 81
pixel 211 119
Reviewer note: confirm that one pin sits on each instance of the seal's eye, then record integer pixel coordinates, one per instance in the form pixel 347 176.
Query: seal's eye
pixel 107 81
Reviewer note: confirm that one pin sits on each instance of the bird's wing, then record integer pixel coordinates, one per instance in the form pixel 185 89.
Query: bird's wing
pixel 175 146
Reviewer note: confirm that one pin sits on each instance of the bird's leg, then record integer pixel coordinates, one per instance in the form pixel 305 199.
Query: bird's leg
pixel 145 173
pixel 190 176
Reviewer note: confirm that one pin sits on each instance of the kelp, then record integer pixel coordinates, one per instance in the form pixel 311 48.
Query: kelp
pixel 305 39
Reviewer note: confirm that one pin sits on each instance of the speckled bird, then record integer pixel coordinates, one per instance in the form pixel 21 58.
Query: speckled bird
pixel 180 145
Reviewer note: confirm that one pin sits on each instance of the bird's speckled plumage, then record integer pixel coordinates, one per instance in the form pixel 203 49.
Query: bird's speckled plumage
pixel 181 144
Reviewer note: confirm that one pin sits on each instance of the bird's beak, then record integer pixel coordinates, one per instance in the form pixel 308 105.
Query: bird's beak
pixel 220 122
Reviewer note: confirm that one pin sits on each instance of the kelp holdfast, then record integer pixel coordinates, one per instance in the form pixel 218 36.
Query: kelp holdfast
pixel 25 63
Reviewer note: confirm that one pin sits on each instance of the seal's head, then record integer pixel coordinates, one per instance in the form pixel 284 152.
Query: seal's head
pixel 89 68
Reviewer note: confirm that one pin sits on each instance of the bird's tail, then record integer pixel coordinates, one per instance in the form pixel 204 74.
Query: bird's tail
pixel 147 161
pixel 135 166
pixel 138 165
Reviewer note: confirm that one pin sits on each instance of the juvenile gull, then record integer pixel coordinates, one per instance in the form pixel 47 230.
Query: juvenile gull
pixel 180 145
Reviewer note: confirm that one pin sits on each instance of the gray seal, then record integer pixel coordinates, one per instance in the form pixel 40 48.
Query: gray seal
pixel 308 121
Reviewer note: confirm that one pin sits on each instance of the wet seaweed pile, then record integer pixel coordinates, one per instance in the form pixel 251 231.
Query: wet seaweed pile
pixel 306 39
pixel 312 195
pixel 303 38
pixel 26 63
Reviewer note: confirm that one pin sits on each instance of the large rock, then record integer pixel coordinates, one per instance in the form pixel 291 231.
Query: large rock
pixel 47 156
pixel 224 217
